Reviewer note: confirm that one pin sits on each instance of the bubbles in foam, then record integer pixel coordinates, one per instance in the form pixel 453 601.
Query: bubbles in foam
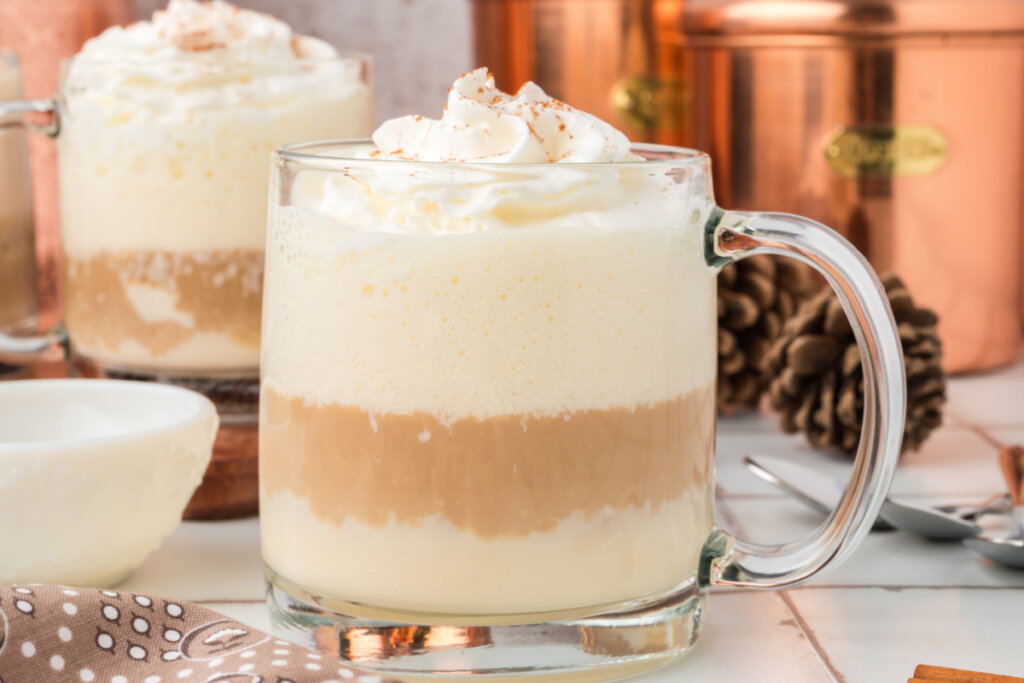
pixel 142 177
pixel 535 320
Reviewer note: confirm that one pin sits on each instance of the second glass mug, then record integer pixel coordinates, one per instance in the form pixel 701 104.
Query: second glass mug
pixel 487 410
pixel 162 170
pixel 17 246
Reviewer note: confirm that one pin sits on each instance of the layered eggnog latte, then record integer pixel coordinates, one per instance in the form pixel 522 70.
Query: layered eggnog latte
pixel 488 364
pixel 167 127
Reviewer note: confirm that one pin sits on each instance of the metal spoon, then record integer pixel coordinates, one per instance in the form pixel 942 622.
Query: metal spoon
pixel 1008 550
pixel 822 493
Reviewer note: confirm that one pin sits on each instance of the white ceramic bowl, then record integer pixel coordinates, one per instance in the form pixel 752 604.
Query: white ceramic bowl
pixel 94 474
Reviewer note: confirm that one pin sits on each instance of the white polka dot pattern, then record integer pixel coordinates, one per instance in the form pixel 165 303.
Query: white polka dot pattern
pixel 106 636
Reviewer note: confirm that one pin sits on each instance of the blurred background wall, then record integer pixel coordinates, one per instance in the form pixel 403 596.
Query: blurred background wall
pixel 418 46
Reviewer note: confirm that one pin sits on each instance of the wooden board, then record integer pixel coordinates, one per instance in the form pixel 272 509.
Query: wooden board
pixel 230 486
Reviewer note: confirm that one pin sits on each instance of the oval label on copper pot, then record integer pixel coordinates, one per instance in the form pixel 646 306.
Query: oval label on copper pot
pixel 649 103
pixel 886 150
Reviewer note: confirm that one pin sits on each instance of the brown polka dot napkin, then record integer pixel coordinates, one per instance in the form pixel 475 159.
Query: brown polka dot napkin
pixel 53 633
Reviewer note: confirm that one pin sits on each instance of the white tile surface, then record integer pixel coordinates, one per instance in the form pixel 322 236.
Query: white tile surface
pixel 734 479
pixel 205 561
pixel 1007 436
pixel 253 614
pixel 885 558
pixel 954 460
pixel 742 641
pixel 993 398
pixel 875 634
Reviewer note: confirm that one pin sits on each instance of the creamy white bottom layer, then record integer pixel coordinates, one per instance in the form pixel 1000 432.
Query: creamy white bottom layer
pixel 436 568
pixel 204 351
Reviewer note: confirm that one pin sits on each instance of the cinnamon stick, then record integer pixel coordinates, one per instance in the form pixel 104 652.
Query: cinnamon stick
pixel 925 673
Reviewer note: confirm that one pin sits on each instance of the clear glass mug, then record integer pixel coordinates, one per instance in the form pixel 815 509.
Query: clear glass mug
pixel 162 169
pixel 17 247
pixel 487 409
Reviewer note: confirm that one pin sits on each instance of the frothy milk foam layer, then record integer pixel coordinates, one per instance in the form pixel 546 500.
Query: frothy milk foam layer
pixel 539 321
pixel 168 129
pixel 407 305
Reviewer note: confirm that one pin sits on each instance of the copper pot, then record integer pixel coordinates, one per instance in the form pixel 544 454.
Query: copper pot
pixel 621 60
pixel 899 123
pixel 43 33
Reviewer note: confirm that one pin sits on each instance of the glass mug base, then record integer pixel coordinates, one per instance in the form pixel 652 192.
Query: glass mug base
pixel 639 637
pixel 235 393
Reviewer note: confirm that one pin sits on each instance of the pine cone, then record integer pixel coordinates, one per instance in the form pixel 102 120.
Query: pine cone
pixel 755 296
pixel 817 383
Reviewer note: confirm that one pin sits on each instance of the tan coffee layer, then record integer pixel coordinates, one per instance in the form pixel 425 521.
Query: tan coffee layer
pixel 17 270
pixel 221 291
pixel 502 476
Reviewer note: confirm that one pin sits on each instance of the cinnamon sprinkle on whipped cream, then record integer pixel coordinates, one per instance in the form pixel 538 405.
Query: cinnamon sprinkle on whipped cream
pixel 191 27
pixel 483 124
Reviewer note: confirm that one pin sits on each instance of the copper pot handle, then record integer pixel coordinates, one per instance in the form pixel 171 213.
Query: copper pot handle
pixel 731 561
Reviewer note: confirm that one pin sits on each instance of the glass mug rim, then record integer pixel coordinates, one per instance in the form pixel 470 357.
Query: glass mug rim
pixel 196 70
pixel 316 154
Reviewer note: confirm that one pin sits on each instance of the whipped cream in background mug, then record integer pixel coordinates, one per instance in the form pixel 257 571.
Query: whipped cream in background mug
pixel 487 405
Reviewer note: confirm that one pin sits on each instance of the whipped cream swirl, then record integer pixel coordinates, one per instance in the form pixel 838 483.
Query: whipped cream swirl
pixel 201 56
pixel 483 124
pixel 505 162
pixel 194 30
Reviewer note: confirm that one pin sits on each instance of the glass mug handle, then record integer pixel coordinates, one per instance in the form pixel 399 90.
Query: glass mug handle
pixel 730 561
pixel 42 117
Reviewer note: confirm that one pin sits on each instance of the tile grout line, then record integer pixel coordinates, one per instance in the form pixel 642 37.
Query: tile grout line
pixel 983 432
pixel 801 624
pixel 812 638
pixel 897 588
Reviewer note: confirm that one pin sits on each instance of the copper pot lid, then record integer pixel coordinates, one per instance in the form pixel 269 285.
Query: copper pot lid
pixel 852 17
